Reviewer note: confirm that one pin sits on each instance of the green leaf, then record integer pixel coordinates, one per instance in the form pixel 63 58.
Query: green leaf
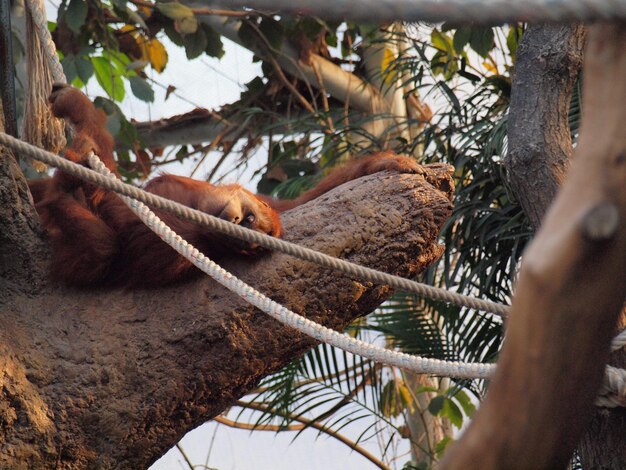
pixel 412 465
pixel 482 40
pixel 114 124
pixel 444 64
pixel 447 26
pixel 441 446
pixel 195 43
pixel 248 35
pixel 141 89
pixel 255 84
pixel 118 60
pixel 118 125
pixel 369 30
pixel 76 14
pixel 136 18
pixel 182 153
pixel 512 40
pixel 452 412
pixel 441 41
pixel 108 78
pixel 349 37
pixel 174 35
pixel 214 45
pixel 464 400
pixel 84 68
pixel 187 25
pixel 273 31
pixel 108 106
pixel 436 405
pixel 174 10
pixel 119 4
pixel 331 39
pixel 461 37
pixel 69 67
pixel 388 403
pixel 309 26
pixel 451 96
pixel 114 115
pixel 501 84
pixel 185 21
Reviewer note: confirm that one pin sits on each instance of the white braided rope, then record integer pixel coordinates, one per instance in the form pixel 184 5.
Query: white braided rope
pixel 286 316
pixel 38 13
pixel 614 387
pixel 251 236
pixel 619 341
pixel 435 11
pixel 612 394
pixel 613 391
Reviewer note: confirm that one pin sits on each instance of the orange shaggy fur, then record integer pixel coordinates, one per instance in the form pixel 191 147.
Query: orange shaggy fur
pixel 98 241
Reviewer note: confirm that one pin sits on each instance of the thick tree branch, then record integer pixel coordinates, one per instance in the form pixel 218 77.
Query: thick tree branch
pixel 19 232
pixel 340 84
pixel 115 378
pixel 199 126
pixel 540 146
pixel 318 73
pixel 539 156
pixel 195 127
pixel 570 292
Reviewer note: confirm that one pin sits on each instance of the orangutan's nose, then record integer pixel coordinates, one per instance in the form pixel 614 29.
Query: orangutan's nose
pixel 232 212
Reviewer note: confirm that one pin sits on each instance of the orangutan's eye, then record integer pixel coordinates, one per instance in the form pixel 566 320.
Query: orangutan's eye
pixel 249 219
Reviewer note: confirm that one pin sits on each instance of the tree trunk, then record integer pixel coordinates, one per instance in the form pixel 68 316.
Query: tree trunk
pixel 20 232
pixel 540 148
pixel 549 59
pixel 603 445
pixel 425 429
pixel 569 296
pixel 114 378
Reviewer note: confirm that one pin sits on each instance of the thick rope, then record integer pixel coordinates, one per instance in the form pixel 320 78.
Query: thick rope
pixel 453 11
pixel 39 126
pixel 612 394
pixel 613 391
pixel 619 341
pixel 286 316
pixel 251 236
pixel 614 387
pixel 40 22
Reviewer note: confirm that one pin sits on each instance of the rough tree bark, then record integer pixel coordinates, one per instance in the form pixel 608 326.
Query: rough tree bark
pixel 570 292
pixel 549 59
pixel 19 232
pixel 540 149
pixel 115 378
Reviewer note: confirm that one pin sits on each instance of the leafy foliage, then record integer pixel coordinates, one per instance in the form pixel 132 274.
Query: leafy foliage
pixel 484 238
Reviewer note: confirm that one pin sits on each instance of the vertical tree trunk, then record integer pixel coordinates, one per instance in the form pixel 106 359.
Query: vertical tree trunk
pixel 569 296
pixel 603 445
pixel 425 430
pixel 540 148
pixel 549 59
pixel 22 249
